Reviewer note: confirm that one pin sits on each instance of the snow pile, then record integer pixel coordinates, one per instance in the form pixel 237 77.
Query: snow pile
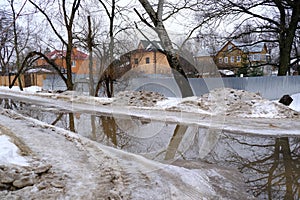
pixel 219 102
pixel 138 98
pixel 295 105
pixel 31 89
pixel 236 103
pixel 9 152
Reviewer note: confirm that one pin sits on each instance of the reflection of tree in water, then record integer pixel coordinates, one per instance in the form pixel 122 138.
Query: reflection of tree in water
pixel 8 104
pixel 58 118
pixel 271 166
pixel 175 141
pixel 105 130
pixel 109 128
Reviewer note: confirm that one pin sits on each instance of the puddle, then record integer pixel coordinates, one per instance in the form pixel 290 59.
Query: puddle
pixel 270 165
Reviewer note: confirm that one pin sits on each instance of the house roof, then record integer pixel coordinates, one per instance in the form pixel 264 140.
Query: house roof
pixel 151 45
pixel 76 54
pixel 255 48
pixel 202 52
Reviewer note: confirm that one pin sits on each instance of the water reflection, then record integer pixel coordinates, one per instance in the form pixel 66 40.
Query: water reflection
pixel 8 104
pixel 270 165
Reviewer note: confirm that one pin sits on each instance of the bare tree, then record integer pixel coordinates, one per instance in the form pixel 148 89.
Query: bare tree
pixel 16 37
pixel 157 24
pixel 16 42
pixel 6 41
pixel 273 21
pixel 68 22
pixel 104 40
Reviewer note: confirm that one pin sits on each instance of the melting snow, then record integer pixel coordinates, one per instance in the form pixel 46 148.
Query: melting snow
pixel 295 105
pixel 9 152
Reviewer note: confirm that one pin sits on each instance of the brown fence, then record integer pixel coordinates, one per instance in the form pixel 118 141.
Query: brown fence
pixel 26 79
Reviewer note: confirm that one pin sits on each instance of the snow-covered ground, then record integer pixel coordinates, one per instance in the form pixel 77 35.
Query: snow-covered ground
pixel 39 161
pixel 63 165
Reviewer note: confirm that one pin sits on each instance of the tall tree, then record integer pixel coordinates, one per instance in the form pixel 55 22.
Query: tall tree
pixel 68 22
pixel 105 31
pixel 273 20
pixel 6 41
pixel 16 40
pixel 157 24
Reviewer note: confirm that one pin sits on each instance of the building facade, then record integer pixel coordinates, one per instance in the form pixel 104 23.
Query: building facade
pixel 234 55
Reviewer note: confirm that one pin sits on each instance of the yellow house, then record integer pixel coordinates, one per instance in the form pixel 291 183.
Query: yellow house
pixel 234 55
pixel 79 60
pixel 149 59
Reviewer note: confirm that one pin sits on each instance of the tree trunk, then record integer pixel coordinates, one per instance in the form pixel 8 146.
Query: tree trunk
pixel 175 141
pixel 16 44
pixel 172 56
pixel 90 47
pixel 173 60
pixel 70 85
pixel 287 35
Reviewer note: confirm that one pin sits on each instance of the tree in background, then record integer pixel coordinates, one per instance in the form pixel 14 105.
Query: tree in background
pixel 107 38
pixel 6 41
pixel 157 24
pixel 272 21
pixel 68 19
pixel 17 37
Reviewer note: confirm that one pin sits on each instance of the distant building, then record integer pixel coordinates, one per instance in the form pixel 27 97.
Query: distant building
pixel 205 63
pixel 235 55
pixel 149 58
pixel 79 61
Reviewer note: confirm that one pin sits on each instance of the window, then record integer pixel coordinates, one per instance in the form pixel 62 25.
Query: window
pixel 238 59
pixel 226 60
pixel 232 59
pixel 229 47
pixel 147 60
pixel 220 60
pixel 136 61
pixel 256 57
pixel 73 63
pixel 250 57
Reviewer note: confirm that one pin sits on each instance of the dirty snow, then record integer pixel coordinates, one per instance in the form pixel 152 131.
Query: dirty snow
pixel 224 101
pixel 235 111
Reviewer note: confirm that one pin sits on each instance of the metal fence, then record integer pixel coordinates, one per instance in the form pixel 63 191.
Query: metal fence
pixel 270 87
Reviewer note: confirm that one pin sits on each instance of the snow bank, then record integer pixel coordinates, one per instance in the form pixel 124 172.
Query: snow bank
pixel 9 152
pixel 295 105
pixel 31 89
pixel 138 98
pixel 219 102
pixel 231 102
